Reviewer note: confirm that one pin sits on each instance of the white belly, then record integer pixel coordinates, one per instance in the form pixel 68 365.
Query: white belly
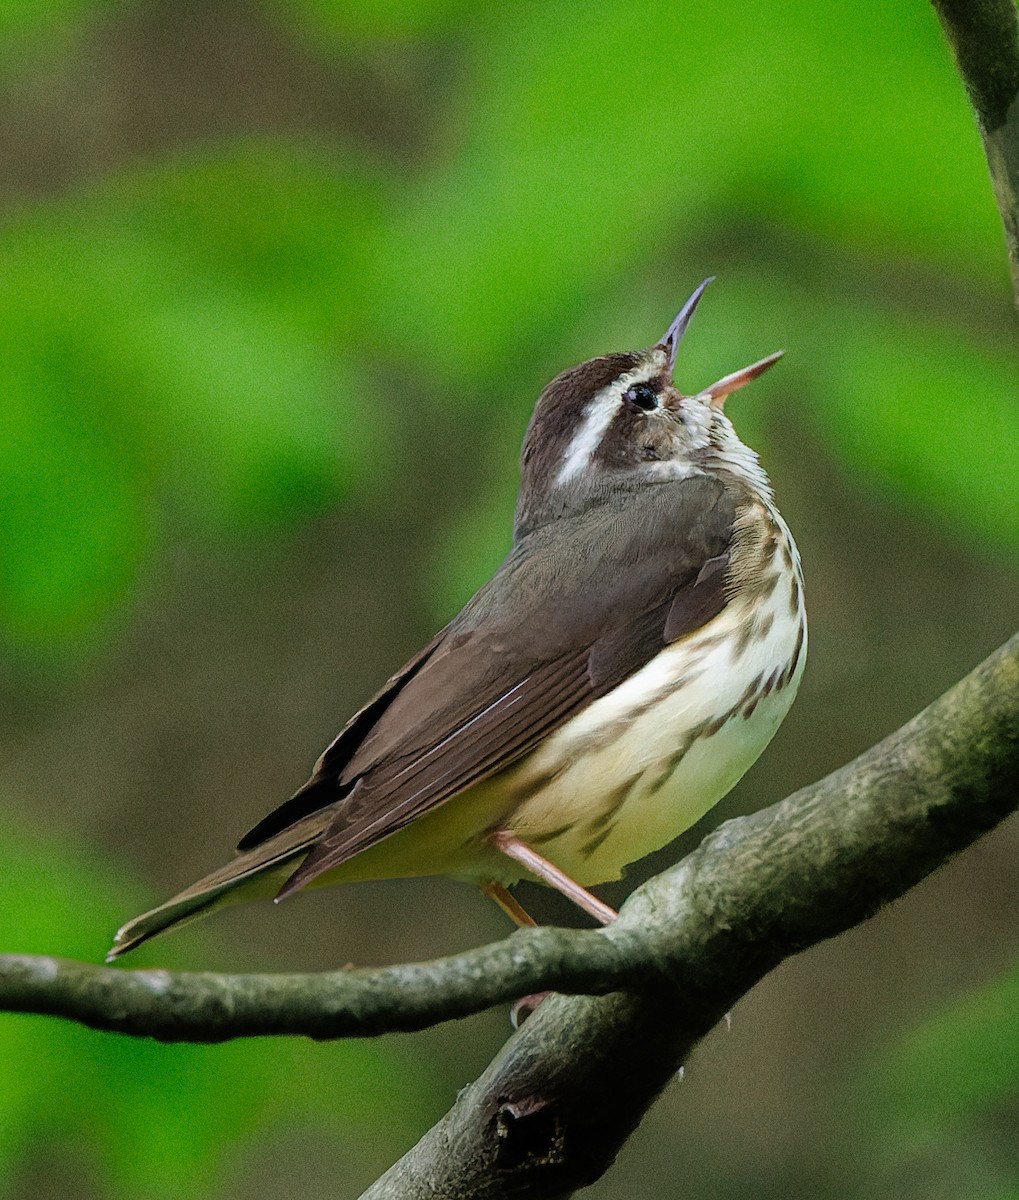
pixel 642 764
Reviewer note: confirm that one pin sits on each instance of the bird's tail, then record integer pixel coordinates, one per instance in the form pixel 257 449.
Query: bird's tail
pixel 259 871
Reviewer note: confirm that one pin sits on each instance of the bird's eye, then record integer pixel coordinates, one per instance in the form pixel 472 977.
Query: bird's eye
pixel 641 396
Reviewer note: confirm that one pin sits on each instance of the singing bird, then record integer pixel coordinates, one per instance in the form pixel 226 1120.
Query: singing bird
pixel 623 668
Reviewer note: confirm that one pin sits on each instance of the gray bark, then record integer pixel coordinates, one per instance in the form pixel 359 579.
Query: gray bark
pixel 550 1114
pixel 552 1111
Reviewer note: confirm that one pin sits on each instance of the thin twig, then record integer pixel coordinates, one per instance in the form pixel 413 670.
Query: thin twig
pixel 180 1006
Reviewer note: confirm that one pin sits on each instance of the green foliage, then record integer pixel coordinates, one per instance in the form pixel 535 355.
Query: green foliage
pixel 571 169
pixel 194 343
pixel 371 20
pixel 190 338
pixel 170 341
pixel 26 26
pixel 932 1094
pixel 938 424
pixel 953 1066
pixel 159 1120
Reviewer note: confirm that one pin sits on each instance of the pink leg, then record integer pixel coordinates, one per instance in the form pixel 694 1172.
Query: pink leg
pixel 548 873
pixel 521 1009
pixel 509 904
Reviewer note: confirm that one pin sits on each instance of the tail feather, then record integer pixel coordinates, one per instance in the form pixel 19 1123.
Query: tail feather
pixel 260 870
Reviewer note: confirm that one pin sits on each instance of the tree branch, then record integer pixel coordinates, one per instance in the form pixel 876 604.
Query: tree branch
pixel 984 37
pixel 554 1108
pixel 179 1006
pixel 777 881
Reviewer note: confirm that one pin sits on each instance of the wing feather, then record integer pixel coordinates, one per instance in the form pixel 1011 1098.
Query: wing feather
pixel 575 609
pixel 380 804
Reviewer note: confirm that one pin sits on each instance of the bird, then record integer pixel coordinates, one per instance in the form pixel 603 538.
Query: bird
pixel 623 668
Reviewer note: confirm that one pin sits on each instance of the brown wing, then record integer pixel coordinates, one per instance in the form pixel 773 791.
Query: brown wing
pixel 310 798
pixel 576 608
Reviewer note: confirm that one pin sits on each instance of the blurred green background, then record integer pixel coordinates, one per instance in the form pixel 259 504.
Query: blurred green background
pixel 279 283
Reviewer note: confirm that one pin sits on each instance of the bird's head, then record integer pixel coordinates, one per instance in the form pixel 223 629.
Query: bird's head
pixel 618 422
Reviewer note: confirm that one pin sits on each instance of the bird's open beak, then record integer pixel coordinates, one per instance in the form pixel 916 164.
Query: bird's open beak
pixel 732 383
pixel 674 334
pixel 729 383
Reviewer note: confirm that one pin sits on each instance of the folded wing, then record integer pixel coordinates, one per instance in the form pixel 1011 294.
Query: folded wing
pixel 575 609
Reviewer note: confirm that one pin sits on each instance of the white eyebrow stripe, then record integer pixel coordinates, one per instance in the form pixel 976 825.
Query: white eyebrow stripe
pixel 598 417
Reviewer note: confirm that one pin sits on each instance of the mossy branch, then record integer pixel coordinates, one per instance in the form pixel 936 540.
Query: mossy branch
pixel 552 1111
pixel 774 882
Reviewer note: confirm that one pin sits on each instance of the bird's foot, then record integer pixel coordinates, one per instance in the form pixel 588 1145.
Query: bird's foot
pixel 526 1005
